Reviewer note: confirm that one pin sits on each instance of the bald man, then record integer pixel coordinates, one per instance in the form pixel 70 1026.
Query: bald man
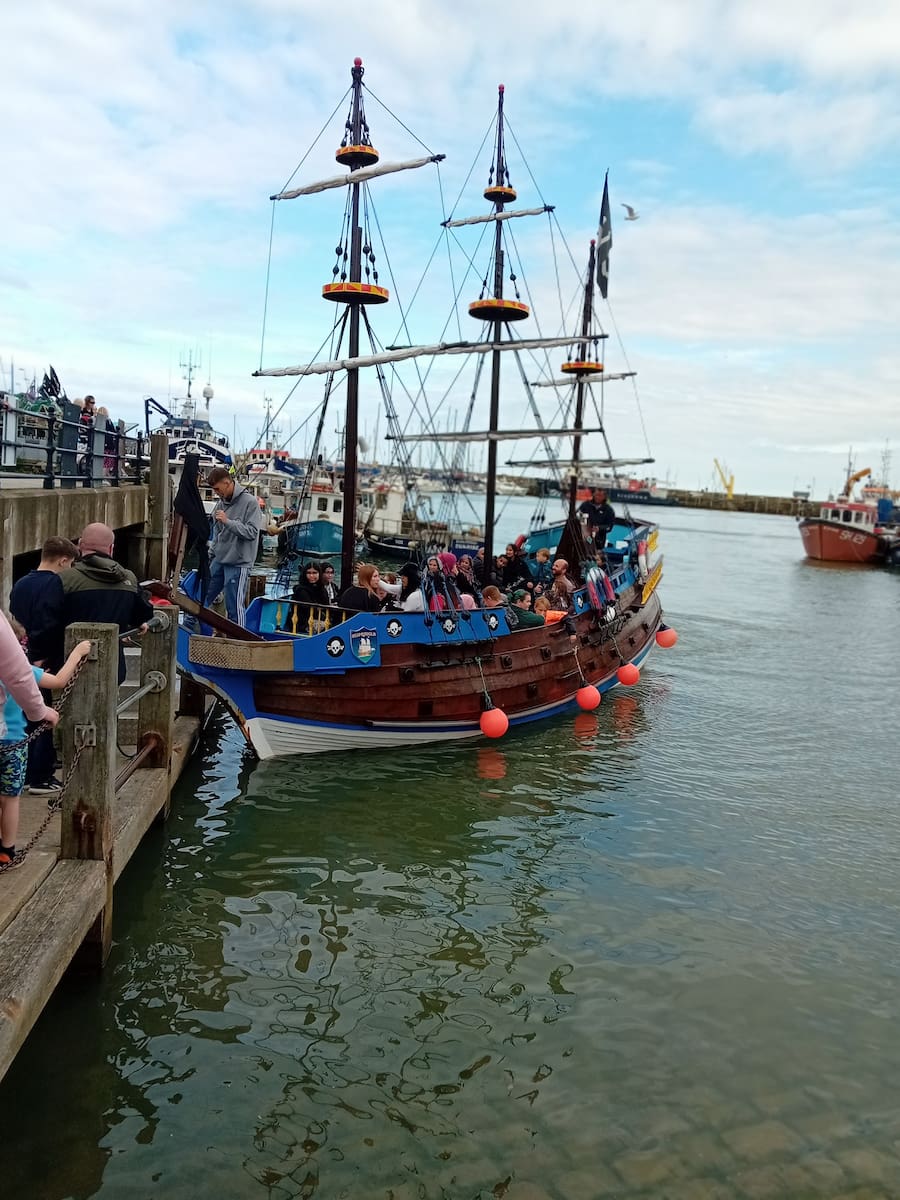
pixel 97 588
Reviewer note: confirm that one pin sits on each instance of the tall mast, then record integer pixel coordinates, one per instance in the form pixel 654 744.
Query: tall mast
pixel 586 315
pixel 499 311
pixel 351 432
pixel 356 152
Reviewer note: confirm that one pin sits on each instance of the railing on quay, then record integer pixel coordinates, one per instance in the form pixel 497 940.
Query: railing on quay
pixel 66 450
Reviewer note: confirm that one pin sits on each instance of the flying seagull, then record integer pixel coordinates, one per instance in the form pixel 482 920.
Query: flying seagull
pixel 630 214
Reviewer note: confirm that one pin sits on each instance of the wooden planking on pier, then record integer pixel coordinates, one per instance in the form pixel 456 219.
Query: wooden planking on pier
pixel 57 906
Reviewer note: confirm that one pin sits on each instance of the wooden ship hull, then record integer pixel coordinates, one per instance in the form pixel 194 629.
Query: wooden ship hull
pixel 426 678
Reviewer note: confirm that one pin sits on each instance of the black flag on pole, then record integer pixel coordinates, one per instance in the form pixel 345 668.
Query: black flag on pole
pixel 604 241
pixel 189 506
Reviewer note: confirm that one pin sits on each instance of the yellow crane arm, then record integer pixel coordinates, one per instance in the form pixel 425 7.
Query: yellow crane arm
pixel 848 486
pixel 727 480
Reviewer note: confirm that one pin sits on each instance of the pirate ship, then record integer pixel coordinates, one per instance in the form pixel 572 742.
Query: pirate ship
pixel 337 679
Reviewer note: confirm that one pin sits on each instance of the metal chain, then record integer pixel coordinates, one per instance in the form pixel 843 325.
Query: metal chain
pixel 54 804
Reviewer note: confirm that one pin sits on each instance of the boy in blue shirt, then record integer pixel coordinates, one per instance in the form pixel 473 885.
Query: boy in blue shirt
pixel 14 755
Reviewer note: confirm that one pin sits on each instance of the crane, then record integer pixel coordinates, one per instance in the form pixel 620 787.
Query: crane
pixel 854 478
pixel 727 480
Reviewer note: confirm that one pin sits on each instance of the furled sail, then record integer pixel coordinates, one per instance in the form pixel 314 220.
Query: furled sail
pixel 566 464
pixel 401 352
pixel 359 176
pixel 573 379
pixel 492 435
pixel 499 216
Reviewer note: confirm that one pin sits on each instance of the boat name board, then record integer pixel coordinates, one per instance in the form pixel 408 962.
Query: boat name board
pixel 651 585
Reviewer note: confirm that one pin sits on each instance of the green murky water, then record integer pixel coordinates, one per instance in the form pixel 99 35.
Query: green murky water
pixel 652 951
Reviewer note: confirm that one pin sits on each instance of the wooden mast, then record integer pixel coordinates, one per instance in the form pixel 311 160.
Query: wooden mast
pixel 490 499
pixel 351 425
pixel 586 315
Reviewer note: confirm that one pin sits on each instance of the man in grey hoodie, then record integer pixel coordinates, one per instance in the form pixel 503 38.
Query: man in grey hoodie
pixel 237 522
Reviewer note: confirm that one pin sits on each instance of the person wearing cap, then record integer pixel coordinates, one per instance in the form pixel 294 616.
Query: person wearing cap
pixel 521 601
pixel 97 588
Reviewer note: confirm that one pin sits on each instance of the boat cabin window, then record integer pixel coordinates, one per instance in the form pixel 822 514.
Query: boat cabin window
pixel 337 506
pixel 847 516
pixel 322 504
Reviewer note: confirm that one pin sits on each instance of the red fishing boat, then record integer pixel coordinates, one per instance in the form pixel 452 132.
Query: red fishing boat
pixel 846 530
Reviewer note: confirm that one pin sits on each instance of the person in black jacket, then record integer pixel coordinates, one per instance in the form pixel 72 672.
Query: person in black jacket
pixel 36 603
pixel 310 593
pixel 600 516
pixel 364 595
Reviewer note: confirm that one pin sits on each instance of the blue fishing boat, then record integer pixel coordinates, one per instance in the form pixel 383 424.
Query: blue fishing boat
pixel 305 679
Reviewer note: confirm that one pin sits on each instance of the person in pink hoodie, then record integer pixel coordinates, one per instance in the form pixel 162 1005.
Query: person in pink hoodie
pixel 17 679
pixel 21 697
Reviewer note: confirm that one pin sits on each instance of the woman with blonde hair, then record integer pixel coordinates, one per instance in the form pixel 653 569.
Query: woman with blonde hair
pixel 363 596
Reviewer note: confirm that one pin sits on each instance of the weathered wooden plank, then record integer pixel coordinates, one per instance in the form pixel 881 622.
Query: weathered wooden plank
pixel 17 887
pixel 156 529
pixel 156 713
pixel 90 717
pixel 39 944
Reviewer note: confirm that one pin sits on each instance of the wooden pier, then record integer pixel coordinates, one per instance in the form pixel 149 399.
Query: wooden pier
pixel 56 908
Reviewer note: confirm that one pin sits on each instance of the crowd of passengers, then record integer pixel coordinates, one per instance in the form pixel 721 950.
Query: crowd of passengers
pixel 530 595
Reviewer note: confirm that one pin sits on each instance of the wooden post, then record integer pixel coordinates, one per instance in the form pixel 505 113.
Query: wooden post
pixel 89 719
pixel 156 530
pixel 156 711
pixel 256 585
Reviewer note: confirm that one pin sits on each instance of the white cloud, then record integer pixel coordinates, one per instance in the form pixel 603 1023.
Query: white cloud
pixel 143 141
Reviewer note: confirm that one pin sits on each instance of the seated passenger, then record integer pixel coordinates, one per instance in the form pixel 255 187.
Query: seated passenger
pixel 543 576
pixel 491 597
pixel 521 602
pixel 310 594
pixel 562 588
pixel 363 596
pixel 550 615
pixel 327 577
pixel 411 599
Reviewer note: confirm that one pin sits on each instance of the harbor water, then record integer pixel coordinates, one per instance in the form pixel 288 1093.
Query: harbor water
pixel 652 951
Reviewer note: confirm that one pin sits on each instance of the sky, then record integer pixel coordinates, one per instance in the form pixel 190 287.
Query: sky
pixel 757 296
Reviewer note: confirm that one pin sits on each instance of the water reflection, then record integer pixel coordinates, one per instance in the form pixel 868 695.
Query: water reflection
pixel 647 953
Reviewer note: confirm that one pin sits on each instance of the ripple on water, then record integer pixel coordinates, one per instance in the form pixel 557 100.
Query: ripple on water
pixel 650 950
